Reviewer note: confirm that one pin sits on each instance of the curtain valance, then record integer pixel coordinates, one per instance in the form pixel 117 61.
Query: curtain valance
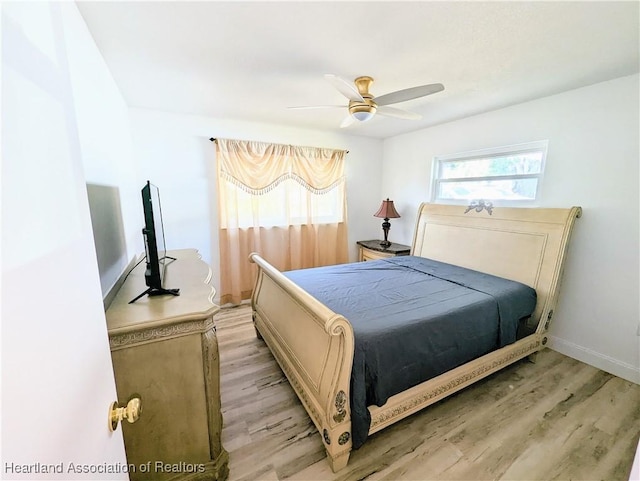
pixel 258 167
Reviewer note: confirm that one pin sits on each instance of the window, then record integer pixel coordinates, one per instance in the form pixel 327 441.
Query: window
pixel 286 203
pixel 509 175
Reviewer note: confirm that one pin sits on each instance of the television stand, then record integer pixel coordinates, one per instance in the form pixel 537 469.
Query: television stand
pixel 165 349
pixel 153 291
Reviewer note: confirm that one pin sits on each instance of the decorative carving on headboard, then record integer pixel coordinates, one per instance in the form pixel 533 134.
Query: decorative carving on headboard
pixel 480 205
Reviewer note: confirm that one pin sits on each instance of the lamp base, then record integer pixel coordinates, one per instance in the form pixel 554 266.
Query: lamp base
pixel 386 225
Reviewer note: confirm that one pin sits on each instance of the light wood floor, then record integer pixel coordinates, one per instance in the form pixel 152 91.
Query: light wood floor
pixel 555 419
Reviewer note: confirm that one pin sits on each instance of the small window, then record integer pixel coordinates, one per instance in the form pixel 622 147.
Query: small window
pixel 509 175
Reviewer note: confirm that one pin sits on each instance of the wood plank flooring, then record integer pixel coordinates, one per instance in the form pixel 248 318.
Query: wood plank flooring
pixel 557 419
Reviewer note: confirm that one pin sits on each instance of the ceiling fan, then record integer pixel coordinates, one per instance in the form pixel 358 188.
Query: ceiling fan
pixel 363 106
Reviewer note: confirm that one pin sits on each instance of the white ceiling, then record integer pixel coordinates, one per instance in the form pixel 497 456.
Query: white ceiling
pixel 251 60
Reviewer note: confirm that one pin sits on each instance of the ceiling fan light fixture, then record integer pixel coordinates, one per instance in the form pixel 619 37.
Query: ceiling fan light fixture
pixel 363 106
pixel 362 111
pixel 362 116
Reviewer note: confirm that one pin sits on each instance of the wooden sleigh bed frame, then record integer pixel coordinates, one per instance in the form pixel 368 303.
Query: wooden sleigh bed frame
pixel 315 346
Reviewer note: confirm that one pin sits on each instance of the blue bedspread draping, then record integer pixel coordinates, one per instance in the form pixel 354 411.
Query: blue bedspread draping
pixel 413 319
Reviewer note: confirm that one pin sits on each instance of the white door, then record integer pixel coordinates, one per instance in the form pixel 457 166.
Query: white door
pixel 57 377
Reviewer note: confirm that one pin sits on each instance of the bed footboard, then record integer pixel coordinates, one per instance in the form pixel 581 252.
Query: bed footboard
pixel 314 347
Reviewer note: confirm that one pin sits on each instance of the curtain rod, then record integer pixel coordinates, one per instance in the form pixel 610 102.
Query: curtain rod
pixel 213 139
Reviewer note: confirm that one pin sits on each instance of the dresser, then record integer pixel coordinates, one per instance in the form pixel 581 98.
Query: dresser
pixel 165 349
pixel 370 250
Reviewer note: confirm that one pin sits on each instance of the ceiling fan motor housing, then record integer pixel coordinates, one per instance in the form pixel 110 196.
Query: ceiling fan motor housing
pixel 362 111
pixel 366 109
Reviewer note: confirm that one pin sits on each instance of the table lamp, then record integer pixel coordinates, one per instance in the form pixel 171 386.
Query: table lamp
pixel 387 211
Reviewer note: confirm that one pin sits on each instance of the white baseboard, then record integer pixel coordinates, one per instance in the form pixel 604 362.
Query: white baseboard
pixel 595 359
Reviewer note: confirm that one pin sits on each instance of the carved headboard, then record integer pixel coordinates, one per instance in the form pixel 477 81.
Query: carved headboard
pixel 522 244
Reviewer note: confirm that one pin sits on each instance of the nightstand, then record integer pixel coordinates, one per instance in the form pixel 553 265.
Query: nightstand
pixel 371 250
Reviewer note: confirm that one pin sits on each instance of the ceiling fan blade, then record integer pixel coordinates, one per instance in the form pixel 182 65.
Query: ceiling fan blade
pixel 318 107
pixel 347 121
pixel 345 88
pixel 398 113
pixel 408 94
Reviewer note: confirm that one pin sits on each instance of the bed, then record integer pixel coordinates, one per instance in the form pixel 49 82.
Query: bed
pixel 317 337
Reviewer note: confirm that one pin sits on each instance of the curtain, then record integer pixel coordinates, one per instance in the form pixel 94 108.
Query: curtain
pixel 287 203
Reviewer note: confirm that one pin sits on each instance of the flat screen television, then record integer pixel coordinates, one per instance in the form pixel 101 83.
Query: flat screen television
pixel 155 249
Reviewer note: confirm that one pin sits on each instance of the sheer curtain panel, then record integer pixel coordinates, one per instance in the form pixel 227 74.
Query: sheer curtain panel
pixel 287 203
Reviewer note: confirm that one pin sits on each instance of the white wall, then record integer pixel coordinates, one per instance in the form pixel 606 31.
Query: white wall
pixel 57 376
pixel 592 161
pixel 106 150
pixel 174 152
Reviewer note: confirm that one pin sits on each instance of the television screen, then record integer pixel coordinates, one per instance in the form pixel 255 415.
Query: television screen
pixel 154 243
pixel 155 247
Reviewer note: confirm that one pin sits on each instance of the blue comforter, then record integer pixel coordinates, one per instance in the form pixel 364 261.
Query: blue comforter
pixel 413 319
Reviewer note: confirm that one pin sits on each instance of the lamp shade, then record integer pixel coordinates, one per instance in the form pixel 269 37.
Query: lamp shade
pixel 387 210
